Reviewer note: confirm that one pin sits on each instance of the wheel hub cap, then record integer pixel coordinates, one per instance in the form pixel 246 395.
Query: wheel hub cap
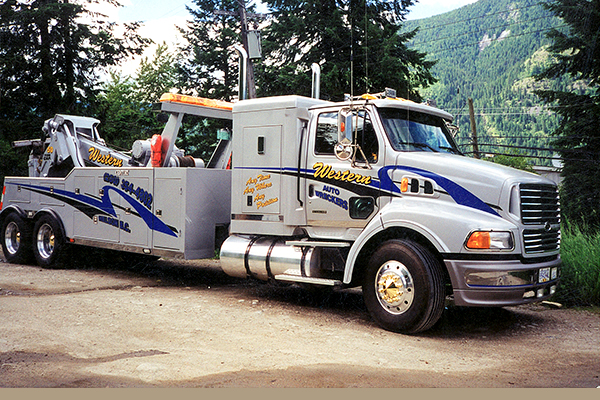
pixel 390 288
pixel 45 241
pixel 395 288
pixel 12 238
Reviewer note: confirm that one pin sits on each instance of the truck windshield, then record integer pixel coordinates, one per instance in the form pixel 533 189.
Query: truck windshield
pixel 415 131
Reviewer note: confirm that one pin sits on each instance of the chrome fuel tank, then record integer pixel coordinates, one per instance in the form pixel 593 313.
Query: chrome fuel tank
pixel 263 257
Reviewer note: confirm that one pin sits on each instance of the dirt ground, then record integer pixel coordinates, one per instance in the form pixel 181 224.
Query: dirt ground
pixel 112 323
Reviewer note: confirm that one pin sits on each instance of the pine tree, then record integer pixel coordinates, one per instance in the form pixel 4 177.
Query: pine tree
pixel 209 68
pixel 125 104
pixel 356 42
pixel 577 54
pixel 51 60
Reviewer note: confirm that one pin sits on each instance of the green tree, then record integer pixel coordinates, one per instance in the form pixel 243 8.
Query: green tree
pixel 356 42
pixel 208 66
pixel 51 60
pixel 127 113
pixel 156 76
pixel 125 104
pixel 577 54
pixel 514 161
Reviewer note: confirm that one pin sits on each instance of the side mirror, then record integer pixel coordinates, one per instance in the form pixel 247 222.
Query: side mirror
pixel 343 149
pixel 345 126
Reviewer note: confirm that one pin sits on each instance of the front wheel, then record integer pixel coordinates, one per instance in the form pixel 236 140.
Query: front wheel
pixel 49 246
pixel 404 287
pixel 16 239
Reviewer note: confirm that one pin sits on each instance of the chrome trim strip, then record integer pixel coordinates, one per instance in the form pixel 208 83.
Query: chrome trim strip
pixel 257 217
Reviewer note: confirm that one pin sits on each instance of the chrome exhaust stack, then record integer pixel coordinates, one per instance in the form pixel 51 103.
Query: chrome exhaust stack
pixel 243 86
pixel 316 81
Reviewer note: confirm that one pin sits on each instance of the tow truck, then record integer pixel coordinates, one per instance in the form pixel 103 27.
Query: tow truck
pixel 368 193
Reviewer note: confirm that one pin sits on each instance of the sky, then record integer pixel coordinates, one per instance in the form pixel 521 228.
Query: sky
pixel 160 18
pixel 146 10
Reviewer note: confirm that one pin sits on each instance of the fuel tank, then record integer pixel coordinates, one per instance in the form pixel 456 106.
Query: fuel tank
pixel 264 257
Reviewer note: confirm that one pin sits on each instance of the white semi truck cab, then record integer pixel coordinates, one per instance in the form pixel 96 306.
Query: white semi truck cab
pixel 370 193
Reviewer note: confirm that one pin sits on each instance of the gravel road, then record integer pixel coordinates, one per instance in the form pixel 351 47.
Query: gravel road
pixel 111 323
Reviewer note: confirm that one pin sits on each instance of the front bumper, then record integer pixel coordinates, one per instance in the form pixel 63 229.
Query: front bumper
pixel 498 283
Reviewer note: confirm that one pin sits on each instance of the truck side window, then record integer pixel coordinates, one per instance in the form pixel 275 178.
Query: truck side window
pixel 326 137
pixel 366 138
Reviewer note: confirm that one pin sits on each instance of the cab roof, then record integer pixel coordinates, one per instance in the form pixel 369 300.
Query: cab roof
pixel 397 103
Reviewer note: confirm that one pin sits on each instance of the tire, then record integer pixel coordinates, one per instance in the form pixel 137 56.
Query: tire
pixel 16 239
pixel 403 287
pixel 49 246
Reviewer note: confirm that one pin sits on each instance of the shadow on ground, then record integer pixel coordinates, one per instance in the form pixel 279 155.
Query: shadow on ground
pixel 456 322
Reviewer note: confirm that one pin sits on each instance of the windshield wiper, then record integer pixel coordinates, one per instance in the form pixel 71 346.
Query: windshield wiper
pixel 419 145
pixel 451 149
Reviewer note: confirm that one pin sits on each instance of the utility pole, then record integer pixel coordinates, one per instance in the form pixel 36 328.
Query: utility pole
pixel 250 71
pixel 241 12
pixel 473 128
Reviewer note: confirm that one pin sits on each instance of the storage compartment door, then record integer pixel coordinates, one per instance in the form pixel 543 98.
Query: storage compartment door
pixel 168 208
pixel 261 162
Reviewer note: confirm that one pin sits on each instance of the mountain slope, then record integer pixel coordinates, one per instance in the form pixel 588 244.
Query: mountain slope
pixel 488 51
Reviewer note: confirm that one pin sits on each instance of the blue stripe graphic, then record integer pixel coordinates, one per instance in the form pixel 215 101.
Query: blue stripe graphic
pixel 105 206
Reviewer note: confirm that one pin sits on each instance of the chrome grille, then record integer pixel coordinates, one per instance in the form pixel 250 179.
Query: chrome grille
pixel 540 240
pixel 539 204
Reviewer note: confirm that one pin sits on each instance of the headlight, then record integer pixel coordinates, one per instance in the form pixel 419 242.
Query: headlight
pixel 486 240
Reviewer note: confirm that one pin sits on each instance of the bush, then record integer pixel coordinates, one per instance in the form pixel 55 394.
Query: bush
pixel 580 278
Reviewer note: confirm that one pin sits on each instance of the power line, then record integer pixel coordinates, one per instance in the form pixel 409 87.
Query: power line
pixel 531 156
pixel 496 114
pixel 520 147
pixel 546 109
pixel 553 150
pixel 174 10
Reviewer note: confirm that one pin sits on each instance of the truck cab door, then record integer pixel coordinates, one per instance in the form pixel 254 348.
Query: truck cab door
pixel 342 189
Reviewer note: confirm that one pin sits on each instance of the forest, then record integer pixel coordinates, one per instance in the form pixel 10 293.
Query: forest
pixel 531 68
pixel 490 51
pixel 528 66
pixel 57 56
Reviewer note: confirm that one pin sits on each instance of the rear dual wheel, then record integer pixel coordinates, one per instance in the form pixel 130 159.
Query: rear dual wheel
pixel 404 287
pixel 16 239
pixel 49 246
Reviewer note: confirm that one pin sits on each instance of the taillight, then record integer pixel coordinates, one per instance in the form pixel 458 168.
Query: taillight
pixel 2 199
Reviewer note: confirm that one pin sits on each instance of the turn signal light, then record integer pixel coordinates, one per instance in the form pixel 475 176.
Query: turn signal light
pixel 489 240
pixel 479 240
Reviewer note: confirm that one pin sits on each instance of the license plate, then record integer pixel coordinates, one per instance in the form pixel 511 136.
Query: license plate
pixel 544 275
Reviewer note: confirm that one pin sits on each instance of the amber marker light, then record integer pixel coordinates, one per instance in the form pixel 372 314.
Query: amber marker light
pixel 404 185
pixel 479 240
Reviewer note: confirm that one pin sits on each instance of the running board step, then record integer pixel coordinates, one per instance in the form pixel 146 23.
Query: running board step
pixel 306 243
pixel 293 275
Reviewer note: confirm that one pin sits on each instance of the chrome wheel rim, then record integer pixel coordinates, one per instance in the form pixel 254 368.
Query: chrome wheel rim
pixel 45 241
pixel 12 238
pixel 394 287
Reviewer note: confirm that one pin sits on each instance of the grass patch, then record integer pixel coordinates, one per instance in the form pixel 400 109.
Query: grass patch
pixel 580 276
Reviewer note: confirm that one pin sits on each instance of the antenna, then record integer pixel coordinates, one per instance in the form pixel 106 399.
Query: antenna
pixel 351 53
pixel 366 50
